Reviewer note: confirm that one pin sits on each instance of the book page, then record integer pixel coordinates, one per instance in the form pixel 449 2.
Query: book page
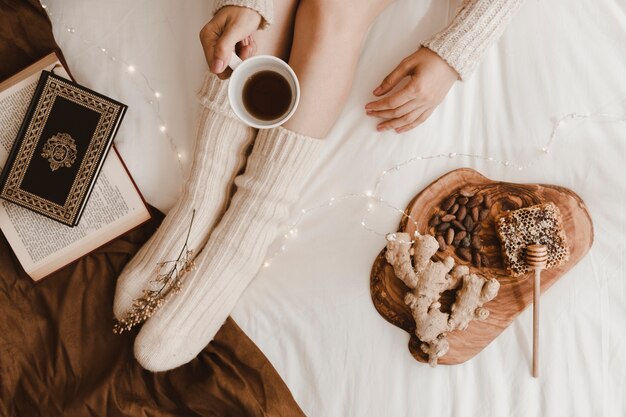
pixel 43 245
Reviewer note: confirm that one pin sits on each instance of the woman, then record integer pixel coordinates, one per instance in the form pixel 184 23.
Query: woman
pixel 321 41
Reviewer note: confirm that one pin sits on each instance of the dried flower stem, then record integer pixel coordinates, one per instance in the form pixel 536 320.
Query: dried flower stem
pixel 170 283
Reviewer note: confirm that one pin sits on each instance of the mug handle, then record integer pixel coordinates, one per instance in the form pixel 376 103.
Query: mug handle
pixel 235 61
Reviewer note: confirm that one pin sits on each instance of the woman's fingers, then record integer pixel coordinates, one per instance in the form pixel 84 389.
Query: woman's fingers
pixel 400 121
pixel 392 101
pixel 392 79
pixel 231 26
pixel 421 119
pixel 393 113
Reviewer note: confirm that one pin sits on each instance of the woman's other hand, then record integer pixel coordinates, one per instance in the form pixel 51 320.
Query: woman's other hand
pixel 430 80
pixel 231 27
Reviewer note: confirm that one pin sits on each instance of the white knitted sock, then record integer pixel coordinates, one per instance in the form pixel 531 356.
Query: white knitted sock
pixel 276 171
pixel 220 150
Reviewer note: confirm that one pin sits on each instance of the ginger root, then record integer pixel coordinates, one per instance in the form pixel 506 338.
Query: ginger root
pixel 427 280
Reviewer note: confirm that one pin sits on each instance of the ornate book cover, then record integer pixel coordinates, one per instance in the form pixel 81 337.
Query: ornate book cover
pixel 60 148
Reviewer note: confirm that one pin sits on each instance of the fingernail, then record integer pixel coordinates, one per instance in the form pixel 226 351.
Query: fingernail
pixel 381 128
pixel 377 90
pixel 218 65
pixel 368 112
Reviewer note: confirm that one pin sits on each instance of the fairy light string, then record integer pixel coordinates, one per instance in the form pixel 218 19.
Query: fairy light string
pixel 154 95
pixel 371 197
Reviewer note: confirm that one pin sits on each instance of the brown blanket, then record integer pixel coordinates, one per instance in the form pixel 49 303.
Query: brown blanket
pixel 58 355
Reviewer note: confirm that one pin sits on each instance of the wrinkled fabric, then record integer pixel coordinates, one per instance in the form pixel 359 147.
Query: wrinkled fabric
pixel 58 355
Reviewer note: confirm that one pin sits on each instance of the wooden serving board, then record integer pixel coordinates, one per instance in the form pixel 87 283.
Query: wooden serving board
pixel 515 293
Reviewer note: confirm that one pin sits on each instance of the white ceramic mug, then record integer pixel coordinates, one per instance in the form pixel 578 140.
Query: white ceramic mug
pixel 243 70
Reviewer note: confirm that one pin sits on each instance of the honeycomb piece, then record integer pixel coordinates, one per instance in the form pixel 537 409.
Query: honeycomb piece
pixel 540 224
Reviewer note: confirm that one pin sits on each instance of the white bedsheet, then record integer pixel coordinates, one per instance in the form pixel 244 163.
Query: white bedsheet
pixel 310 311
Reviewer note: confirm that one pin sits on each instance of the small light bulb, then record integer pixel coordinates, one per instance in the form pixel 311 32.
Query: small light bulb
pixel 266 264
pixel 368 193
pixel 162 128
pixel 131 68
pixel 103 49
pixel 157 94
pixel 180 156
pixel 362 223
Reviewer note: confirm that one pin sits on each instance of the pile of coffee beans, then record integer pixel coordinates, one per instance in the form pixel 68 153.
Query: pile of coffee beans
pixel 458 224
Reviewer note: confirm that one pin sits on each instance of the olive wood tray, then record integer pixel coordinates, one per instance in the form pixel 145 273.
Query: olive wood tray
pixel 515 293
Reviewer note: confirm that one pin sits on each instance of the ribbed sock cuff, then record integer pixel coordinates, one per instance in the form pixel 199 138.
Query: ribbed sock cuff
pixel 214 95
pixel 283 146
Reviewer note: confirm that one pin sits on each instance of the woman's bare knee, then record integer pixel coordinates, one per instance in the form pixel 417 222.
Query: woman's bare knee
pixel 344 15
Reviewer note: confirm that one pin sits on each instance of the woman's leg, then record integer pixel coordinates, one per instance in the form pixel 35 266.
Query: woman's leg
pixel 276 171
pixel 220 150
pixel 326 48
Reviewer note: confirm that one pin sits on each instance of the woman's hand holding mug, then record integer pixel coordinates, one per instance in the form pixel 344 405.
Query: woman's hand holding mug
pixel 231 28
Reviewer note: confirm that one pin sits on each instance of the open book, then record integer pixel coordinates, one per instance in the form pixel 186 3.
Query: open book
pixel 115 206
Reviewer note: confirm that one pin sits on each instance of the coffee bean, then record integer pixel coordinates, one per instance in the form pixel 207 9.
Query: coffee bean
pixel 466 242
pixel 448 202
pixel 483 214
pixel 467 192
pixel 476 259
pixel 449 235
pixel 460 215
pixel 468 223
pixel 488 202
pixel 453 209
pixel 460 235
pixel 456 240
pixel 434 221
pixel 462 200
pixel 477 228
pixel 442 243
pixel 465 254
pixel 474 201
pixel 475 214
pixel 477 242
pixel 443 227
pixel 448 218
pixel 458 225
pixel 484 260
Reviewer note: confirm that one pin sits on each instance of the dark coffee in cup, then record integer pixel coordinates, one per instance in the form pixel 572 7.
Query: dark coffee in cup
pixel 267 95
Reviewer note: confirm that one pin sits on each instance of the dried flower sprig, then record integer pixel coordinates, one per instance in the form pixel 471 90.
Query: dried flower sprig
pixel 169 277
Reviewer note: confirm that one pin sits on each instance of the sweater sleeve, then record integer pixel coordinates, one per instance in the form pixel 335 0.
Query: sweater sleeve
pixel 477 25
pixel 264 7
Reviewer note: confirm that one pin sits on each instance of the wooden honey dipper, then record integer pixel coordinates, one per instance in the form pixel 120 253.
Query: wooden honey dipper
pixel 536 258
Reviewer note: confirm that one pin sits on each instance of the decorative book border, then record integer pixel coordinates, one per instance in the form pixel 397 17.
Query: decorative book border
pixel 109 111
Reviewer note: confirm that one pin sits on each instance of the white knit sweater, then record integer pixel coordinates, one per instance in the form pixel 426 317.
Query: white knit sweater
pixel 477 24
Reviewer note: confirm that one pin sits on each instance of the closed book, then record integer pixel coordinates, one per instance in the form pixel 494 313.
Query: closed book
pixel 60 149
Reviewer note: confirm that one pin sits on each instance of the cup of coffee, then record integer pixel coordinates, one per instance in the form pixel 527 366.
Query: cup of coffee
pixel 263 91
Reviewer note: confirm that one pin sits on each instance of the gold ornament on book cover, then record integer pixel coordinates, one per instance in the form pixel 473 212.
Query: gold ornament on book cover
pixel 60 150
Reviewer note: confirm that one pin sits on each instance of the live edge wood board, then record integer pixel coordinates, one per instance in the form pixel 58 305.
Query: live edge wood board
pixel 515 292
